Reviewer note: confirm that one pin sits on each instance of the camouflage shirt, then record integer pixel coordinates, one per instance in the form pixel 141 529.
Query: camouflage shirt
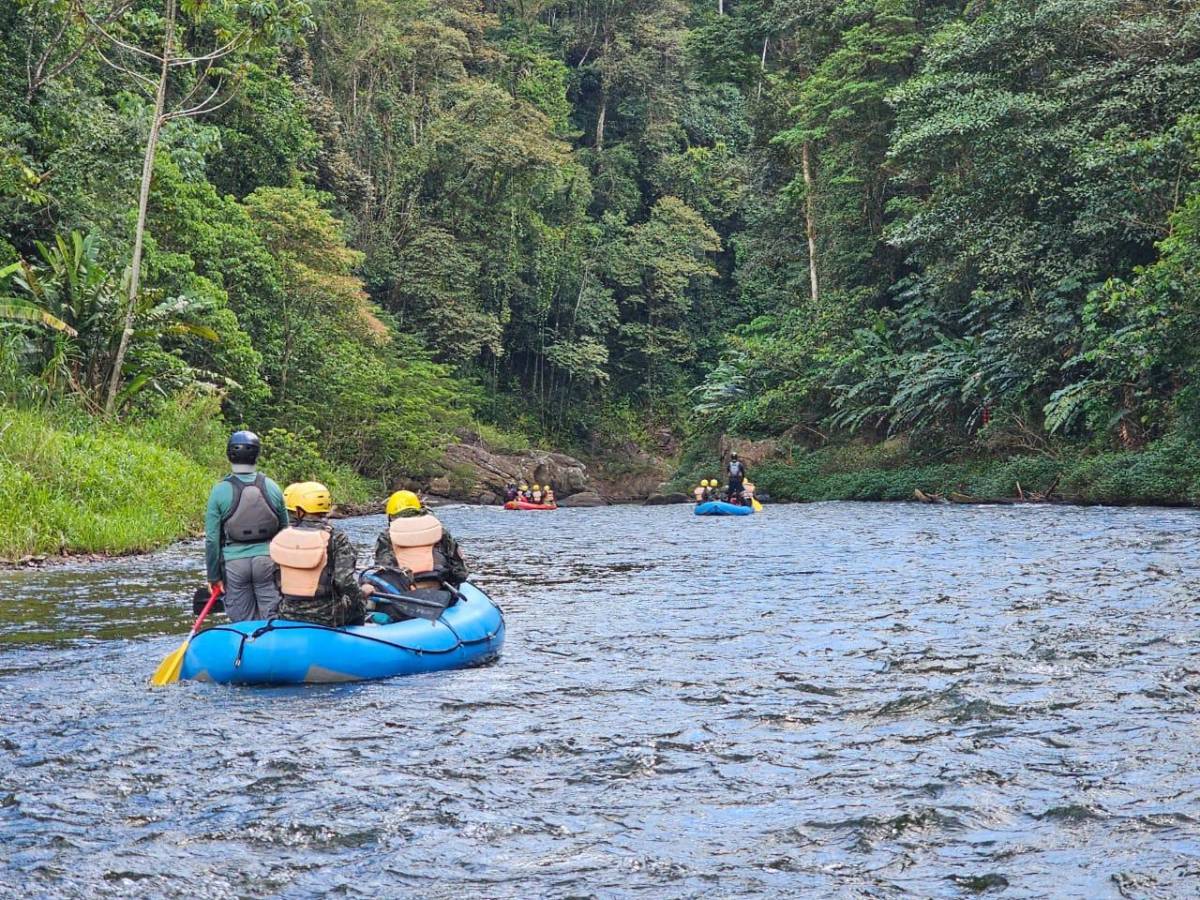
pixel 339 600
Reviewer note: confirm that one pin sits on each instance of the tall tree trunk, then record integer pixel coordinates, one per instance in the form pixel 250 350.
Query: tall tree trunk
pixel 600 120
pixel 720 7
pixel 135 268
pixel 810 226
pixel 762 65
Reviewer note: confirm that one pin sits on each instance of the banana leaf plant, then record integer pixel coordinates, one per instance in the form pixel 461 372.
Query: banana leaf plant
pixel 73 303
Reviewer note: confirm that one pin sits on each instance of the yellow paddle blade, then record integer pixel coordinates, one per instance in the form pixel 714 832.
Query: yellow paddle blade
pixel 169 669
pixel 757 506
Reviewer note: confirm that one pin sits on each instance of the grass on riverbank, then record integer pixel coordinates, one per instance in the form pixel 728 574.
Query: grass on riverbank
pixel 1167 473
pixel 92 490
pixel 71 484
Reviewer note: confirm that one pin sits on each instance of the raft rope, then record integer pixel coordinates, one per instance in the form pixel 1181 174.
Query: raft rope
pixel 419 651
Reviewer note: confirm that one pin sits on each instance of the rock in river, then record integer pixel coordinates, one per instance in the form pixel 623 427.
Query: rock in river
pixel 584 498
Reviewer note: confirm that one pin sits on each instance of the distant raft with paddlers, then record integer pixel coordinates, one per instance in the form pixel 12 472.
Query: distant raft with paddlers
pixel 469 632
pixel 721 508
pixel 526 505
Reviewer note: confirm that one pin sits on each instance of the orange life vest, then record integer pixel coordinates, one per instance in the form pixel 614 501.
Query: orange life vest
pixel 302 555
pixel 413 541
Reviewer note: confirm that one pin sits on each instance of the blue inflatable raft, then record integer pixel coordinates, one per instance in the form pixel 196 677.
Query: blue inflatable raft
pixel 721 508
pixel 467 633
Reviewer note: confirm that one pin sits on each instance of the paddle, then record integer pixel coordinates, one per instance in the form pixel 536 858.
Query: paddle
pixel 409 606
pixel 168 671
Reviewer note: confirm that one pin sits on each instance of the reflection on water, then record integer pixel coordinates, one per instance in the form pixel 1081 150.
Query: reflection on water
pixel 831 700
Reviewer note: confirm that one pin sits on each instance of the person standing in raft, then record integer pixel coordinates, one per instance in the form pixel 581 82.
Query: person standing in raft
pixel 737 477
pixel 416 542
pixel 548 495
pixel 244 512
pixel 316 563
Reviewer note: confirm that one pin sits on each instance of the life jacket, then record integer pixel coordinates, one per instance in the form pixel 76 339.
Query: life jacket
pixel 736 469
pixel 548 498
pixel 305 567
pixel 415 541
pixel 251 518
pixel 537 496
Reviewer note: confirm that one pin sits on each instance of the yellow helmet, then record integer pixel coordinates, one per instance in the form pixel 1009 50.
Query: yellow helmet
pixel 402 500
pixel 537 487
pixel 524 486
pixel 703 482
pixel 309 496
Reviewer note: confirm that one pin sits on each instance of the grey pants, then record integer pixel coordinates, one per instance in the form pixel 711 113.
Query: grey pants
pixel 250 591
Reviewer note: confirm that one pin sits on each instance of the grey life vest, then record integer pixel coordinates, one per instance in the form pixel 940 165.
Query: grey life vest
pixel 251 518
pixel 736 469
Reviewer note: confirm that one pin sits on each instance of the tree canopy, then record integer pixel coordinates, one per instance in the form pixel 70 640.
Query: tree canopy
pixel 369 221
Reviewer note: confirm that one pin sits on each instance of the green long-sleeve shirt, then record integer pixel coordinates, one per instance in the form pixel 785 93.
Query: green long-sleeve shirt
pixel 220 500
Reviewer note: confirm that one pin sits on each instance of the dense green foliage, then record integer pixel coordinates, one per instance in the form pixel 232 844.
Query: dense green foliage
pixel 86 487
pixel 1165 474
pixel 1003 200
pixel 70 482
pixel 975 223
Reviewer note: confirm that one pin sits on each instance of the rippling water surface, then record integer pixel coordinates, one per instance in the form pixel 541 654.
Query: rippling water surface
pixel 838 700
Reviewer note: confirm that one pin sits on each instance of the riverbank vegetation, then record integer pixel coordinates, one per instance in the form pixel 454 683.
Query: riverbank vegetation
pixel 364 225
pixel 1000 252
pixel 1164 474
pixel 73 483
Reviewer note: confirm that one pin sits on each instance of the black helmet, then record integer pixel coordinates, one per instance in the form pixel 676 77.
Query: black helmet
pixel 733 456
pixel 244 447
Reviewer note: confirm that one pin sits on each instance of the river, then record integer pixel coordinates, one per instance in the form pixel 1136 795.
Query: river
pixel 834 700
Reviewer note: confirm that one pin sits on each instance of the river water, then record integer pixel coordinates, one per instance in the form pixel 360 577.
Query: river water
pixel 835 700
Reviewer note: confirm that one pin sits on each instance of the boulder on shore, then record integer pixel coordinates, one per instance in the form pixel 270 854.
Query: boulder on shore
pixel 666 499
pixel 476 473
pixel 583 499
pixel 752 453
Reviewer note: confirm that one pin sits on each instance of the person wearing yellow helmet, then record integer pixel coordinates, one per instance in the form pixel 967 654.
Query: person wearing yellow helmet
pixel 524 493
pixel 316 562
pixel 714 489
pixel 416 542
pixel 535 495
pixel 548 495
pixel 700 492
pixel 245 510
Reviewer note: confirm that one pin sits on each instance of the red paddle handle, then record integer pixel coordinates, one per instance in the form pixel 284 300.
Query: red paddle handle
pixel 204 612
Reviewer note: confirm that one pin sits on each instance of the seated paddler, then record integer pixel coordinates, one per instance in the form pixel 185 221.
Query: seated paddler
pixel 316 562
pixel 415 541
